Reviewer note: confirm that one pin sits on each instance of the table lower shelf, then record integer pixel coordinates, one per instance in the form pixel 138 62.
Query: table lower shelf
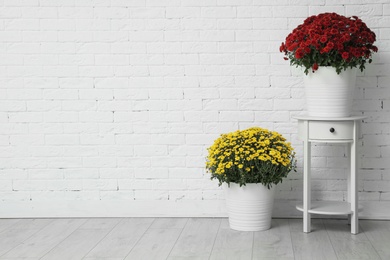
pixel 328 207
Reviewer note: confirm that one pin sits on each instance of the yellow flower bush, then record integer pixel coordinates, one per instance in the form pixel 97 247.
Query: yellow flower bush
pixel 254 155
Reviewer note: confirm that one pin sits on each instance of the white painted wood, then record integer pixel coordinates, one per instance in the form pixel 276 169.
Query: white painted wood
pixel 328 207
pixel 314 245
pixel 306 179
pixel 122 238
pixel 273 243
pixel 375 210
pixel 197 239
pixel 232 244
pixel 347 245
pixel 349 171
pixel 322 130
pixel 319 130
pixel 354 198
pixel 315 118
pixel 341 141
pixel 378 232
pixel 45 239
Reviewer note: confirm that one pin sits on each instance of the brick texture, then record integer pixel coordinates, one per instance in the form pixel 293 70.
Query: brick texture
pixel 118 100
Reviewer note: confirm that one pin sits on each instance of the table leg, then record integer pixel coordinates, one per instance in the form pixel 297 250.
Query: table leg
pixel 354 185
pixel 349 171
pixel 306 187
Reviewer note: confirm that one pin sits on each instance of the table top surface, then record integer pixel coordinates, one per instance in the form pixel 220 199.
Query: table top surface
pixel 312 118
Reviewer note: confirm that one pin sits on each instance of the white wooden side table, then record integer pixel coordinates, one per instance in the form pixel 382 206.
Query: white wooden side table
pixel 329 130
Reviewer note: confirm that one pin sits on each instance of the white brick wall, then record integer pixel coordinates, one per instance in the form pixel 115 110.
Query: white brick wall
pixel 107 107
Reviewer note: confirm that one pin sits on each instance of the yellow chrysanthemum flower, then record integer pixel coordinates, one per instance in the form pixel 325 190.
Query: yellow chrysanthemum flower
pixel 249 153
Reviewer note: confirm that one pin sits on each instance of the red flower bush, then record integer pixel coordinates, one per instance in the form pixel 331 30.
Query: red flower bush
pixel 330 39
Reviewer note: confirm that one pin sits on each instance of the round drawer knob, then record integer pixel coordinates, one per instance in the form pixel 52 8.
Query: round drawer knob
pixel 332 130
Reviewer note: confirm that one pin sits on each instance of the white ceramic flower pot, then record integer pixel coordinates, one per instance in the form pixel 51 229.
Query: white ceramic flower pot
pixel 249 207
pixel 329 94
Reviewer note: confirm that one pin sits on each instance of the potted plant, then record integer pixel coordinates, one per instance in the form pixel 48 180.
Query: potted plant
pixel 330 47
pixel 249 163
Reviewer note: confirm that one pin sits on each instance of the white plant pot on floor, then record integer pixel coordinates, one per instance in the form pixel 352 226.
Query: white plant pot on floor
pixel 329 94
pixel 249 207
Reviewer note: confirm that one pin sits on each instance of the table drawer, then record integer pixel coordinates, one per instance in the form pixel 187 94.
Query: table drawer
pixel 331 130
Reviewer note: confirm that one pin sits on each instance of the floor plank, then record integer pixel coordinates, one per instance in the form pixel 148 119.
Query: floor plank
pixel 86 237
pixel 313 245
pixel 19 232
pixel 102 258
pixel 169 223
pixel 45 239
pixel 7 223
pixel 188 238
pixel 101 223
pixel 155 244
pixel 346 245
pixel 273 243
pixel 122 238
pixel 378 232
pixel 24 258
pixel 197 239
pixel 159 239
pixel 30 223
pixel 77 245
pixel 232 244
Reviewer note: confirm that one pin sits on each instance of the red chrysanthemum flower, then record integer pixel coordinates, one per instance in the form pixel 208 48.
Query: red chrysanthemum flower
pixel 345 55
pixel 323 39
pixel 299 53
pixel 330 39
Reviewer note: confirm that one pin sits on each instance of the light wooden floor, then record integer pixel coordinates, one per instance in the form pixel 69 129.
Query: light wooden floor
pixel 188 238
